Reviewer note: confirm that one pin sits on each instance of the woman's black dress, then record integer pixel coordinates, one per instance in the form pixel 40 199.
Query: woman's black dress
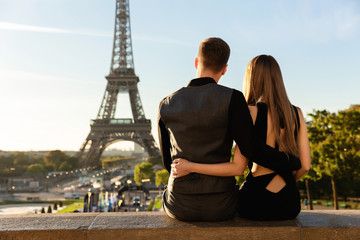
pixel 258 203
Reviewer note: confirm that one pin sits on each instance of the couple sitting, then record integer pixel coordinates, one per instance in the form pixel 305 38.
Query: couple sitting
pixel 197 127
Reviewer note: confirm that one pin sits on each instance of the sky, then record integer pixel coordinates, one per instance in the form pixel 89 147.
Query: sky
pixel 54 56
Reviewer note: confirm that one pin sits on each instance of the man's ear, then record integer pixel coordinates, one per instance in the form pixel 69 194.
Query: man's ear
pixel 196 62
pixel 224 70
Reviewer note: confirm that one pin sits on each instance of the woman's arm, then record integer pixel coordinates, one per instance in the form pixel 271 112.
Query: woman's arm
pixel 304 148
pixel 241 126
pixel 182 167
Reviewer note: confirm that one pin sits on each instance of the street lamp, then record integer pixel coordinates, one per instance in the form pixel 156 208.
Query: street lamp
pixel 129 183
pixel 146 180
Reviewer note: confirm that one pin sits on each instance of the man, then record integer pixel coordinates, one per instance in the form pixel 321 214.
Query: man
pixel 199 123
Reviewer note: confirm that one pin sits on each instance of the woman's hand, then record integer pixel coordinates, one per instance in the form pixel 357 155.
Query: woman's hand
pixel 180 167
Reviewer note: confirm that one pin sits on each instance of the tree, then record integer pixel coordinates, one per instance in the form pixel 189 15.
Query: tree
pixel 55 158
pixel 310 176
pixel 34 158
pixel 143 171
pixel 335 145
pixel 35 169
pixel 155 161
pixel 161 177
pixel 21 159
pixel 6 163
pixel 315 135
pixel 73 161
pixel 65 166
pixel 20 162
pixel 50 168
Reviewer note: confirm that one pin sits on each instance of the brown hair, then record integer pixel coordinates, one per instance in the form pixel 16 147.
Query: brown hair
pixel 263 82
pixel 214 54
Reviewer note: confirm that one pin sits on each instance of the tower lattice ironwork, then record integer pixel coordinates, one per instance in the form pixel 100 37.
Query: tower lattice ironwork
pixel 106 129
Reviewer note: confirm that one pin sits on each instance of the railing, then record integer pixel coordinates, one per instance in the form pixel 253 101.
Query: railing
pixel 122 71
pixel 118 121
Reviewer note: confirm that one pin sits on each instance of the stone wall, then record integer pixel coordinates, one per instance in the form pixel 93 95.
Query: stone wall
pixel 329 224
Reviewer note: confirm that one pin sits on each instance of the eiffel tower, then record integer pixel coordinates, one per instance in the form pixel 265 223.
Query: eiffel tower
pixel 106 129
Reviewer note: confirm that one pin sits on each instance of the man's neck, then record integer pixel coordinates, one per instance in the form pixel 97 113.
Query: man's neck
pixel 202 73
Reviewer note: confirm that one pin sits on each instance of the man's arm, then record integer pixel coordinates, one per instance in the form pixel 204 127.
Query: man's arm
pixel 243 131
pixel 164 141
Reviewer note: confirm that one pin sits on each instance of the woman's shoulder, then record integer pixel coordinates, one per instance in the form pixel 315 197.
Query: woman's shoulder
pixel 298 109
pixel 299 114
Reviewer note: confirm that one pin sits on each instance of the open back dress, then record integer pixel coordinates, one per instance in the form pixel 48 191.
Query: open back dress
pixel 258 203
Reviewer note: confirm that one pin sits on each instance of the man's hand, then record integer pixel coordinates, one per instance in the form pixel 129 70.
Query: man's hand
pixel 180 167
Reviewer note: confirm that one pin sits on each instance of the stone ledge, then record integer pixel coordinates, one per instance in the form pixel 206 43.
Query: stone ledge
pixel 329 224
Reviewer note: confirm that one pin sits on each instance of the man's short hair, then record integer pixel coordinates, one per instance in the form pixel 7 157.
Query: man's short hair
pixel 214 54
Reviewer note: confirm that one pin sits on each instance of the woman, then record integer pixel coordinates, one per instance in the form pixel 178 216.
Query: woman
pixel 265 195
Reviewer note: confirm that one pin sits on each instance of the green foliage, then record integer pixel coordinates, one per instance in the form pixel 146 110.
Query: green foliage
pixel 71 208
pixel 158 204
pixel 6 164
pixel 65 166
pixel 335 146
pixel 70 201
pixel 151 205
pixel 35 169
pixel 21 159
pixel 161 177
pixel 155 161
pixel 34 158
pixel 143 171
pixel 50 168
pixel 6 161
pixel 19 163
pixel 55 158
pixel 116 160
pixel 335 142
pixel 239 179
pixel 73 162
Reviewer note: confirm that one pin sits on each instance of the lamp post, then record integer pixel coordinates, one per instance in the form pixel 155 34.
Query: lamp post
pixel 146 180
pixel 129 183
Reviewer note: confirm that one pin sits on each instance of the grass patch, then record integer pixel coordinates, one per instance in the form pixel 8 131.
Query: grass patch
pixel 158 203
pixel 71 201
pixel 65 203
pixel 342 204
pixel 71 208
pixel 150 207
pixel 10 202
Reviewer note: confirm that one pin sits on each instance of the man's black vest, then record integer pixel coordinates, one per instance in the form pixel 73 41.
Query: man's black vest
pixel 197 119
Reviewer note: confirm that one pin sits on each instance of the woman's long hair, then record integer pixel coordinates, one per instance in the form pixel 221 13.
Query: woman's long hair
pixel 263 82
